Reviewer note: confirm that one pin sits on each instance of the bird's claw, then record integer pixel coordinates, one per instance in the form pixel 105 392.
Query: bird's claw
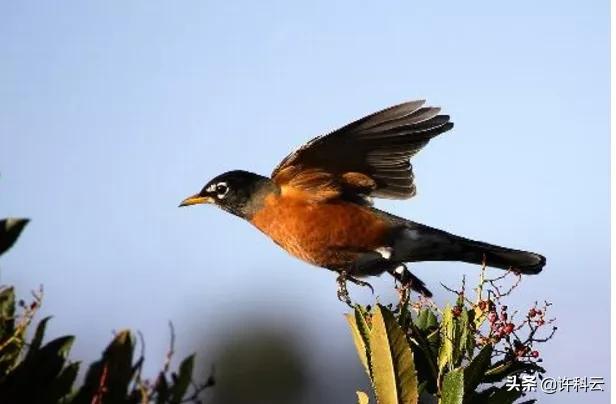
pixel 343 292
pixel 360 283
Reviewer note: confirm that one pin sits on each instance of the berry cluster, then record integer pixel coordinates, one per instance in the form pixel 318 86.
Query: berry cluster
pixel 500 326
pixel 536 316
pixel 512 338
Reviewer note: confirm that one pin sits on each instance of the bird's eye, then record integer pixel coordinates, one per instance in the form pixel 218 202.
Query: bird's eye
pixel 221 190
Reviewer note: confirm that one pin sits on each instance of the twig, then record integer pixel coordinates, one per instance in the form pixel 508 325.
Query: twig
pixel 171 350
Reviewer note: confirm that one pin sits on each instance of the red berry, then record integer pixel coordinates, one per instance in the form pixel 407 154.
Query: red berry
pixel 532 312
pixel 456 311
pixel 482 305
pixel 540 322
pixel 509 328
pixel 492 316
pixel 539 312
pixel 534 354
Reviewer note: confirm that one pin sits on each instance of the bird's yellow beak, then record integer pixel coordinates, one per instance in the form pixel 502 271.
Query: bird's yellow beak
pixel 196 200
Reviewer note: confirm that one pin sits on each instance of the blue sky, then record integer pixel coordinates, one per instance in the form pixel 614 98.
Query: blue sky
pixel 112 112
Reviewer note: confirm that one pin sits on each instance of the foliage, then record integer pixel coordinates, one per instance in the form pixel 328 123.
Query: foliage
pixel 463 354
pixel 32 371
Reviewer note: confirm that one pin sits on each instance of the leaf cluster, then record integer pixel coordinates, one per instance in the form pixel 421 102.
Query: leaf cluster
pixel 38 372
pixel 416 353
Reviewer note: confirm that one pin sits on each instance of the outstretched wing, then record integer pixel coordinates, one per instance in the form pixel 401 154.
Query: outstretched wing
pixel 368 157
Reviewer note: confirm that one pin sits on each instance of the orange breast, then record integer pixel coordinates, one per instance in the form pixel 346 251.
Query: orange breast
pixel 327 233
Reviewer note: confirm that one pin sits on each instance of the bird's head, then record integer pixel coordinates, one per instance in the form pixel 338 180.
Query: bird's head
pixel 238 192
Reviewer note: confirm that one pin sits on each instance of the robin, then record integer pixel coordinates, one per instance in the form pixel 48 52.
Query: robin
pixel 317 203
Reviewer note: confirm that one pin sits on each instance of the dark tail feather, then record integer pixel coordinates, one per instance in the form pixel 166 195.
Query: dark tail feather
pixel 524 262
pixel 417 242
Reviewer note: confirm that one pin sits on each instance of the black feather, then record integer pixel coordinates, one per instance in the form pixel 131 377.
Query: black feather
pixel 378 145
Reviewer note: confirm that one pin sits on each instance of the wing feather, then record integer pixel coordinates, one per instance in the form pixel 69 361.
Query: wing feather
pixel 368 157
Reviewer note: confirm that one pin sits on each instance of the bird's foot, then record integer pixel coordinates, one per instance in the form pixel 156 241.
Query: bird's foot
pixel 360 283
pixel 343 292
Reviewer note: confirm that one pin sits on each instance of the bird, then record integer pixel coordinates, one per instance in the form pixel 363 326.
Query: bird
pixel 317 204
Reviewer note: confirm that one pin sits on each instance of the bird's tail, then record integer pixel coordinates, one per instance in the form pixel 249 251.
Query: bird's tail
pixel 416 242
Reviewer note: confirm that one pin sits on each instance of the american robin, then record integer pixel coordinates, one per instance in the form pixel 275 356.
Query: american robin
pixel 317 203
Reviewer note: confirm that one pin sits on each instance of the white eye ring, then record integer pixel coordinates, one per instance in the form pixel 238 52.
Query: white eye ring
pixel 221 190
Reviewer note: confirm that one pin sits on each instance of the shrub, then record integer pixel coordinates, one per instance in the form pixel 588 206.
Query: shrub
pixel 465 353
pixel 34 372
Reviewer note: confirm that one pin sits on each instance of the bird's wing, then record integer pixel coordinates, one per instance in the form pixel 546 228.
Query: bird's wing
pixel 368 157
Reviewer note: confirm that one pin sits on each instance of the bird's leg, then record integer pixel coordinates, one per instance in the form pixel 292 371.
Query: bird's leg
pixel 343 293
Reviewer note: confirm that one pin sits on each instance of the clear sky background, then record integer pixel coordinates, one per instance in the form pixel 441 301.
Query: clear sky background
pixel 112 112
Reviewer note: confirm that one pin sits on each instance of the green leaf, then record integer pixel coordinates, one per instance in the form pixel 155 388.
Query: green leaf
pixel 362 398
pixel 420 322
pixel 40 370
pixel 37 340
pixel 7 312
pixel 425 349
pixel 184 377
pixel 453 387
pixel 431 321
pixel 468 333
pixel 426 319
pixel 11 339
pixel 445 355
pixel 360 319
pixel 361 344
pixel 475 370
pixel 116 365
pixel 59 347
pixel 162 389
pixel 422 387
pixel 118 357
pixel 63 384
pixel 464 336
pixel 10 229
pixel 49 361
pixel 393 369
